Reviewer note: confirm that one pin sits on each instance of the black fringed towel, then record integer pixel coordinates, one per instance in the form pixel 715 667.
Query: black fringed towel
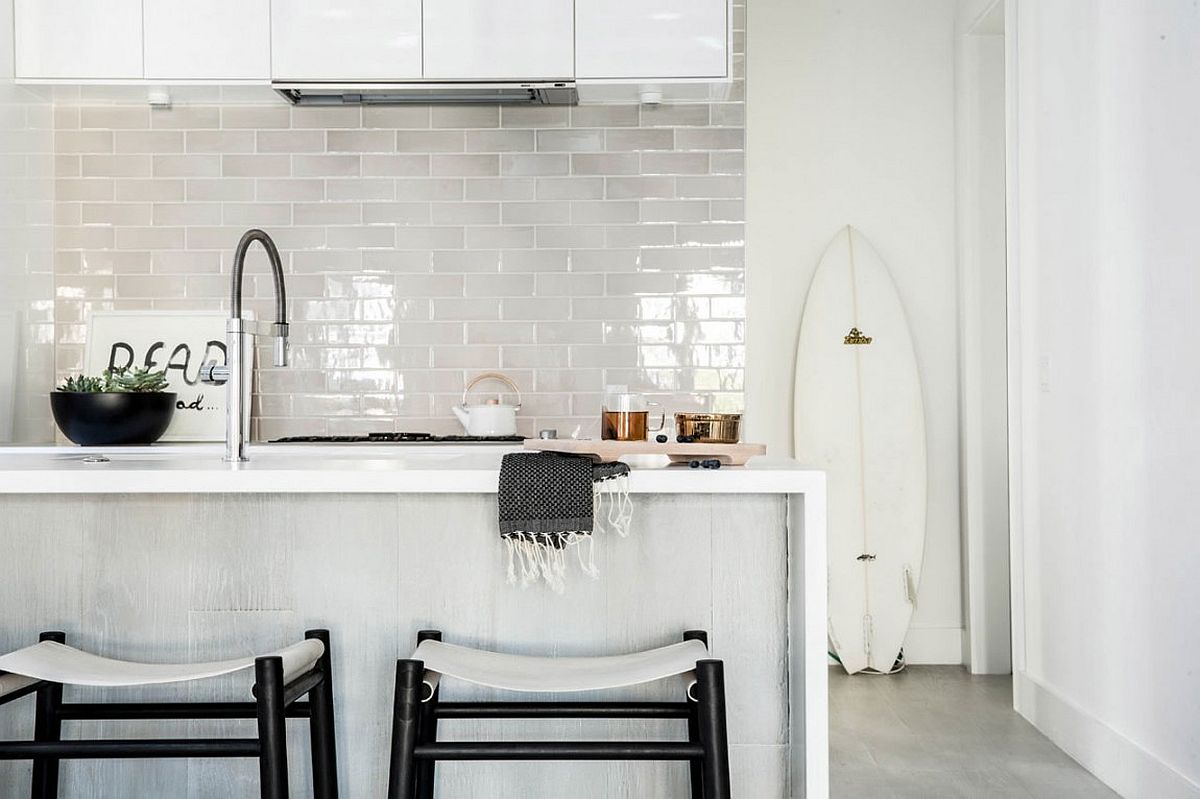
pixel 550 502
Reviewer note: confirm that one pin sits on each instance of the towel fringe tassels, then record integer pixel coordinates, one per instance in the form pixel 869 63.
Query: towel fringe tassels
pixel 531 557
pixel 619 512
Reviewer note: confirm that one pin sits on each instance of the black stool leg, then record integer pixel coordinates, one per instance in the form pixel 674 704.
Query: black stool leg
pixel 403 779
pixel 47 726
pixel 320 725
pixel 272 733
pixel 710 688
pixel 695 774
pixel 427 728
pixel 695 768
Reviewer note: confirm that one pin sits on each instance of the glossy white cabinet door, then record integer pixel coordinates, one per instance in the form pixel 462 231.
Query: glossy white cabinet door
pixel 499 39
pixel 213 39
pixel 74 39
pixel 346 40
pixel 651 39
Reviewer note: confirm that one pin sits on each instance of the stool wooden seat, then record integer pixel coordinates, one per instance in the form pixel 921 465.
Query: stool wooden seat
pixel 418 708
pixel 281 679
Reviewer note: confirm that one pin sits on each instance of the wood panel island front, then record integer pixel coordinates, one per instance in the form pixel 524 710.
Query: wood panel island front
pixel 169 554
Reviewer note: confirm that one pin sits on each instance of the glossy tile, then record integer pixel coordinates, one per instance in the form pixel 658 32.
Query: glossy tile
pixel 572 247
pixel 214 141
pixel 497 141
pixel 582 140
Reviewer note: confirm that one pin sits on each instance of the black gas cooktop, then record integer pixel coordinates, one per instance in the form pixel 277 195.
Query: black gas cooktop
pixel 398 438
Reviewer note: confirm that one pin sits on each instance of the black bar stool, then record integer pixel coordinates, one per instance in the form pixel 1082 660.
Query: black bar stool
pixel 281 679
pixel 418 708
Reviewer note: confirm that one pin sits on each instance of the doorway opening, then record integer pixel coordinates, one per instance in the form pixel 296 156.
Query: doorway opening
pixel 983 336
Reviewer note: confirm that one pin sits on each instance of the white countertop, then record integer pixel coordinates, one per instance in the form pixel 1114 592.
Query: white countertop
pixel 332 468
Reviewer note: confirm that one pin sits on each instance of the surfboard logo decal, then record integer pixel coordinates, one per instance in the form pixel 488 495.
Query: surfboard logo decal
pixel 856 337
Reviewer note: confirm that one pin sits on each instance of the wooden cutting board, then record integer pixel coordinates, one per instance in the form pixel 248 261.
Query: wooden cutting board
pixel 727 454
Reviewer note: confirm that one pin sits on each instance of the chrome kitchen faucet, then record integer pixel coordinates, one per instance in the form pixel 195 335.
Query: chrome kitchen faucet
pixel 236 372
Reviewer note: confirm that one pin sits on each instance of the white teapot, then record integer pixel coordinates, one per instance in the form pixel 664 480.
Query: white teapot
pixel 492 418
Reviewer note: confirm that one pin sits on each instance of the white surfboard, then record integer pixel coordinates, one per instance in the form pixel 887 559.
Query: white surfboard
pixel 859 416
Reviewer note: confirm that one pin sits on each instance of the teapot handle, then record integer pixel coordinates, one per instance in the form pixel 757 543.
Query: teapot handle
pixel 492 376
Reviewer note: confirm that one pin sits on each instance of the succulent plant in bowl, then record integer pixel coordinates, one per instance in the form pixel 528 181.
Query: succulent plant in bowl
pixel 121 406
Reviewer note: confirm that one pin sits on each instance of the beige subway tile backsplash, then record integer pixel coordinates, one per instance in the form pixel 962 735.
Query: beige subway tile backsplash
pixel 360 189
pixel 582 140
pixel 148 141
pixel 255 118
pixel 288 189
pixel 407 165
pixel 605 164
pixel 223 189
pixel 360 141
pixel 288 141
pixel 430 141
pixel 640 139
pixel 219 141
pixel 187 166
pixel 115 166
pixel 396 117
pixel 83 141
pixel 495 141
pixel 185 117
pixel 577 188
pixel 571 247
pixel 604 116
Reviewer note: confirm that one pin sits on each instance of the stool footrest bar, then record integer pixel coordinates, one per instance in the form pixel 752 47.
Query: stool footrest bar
pixel 115 748
pixel 20 692
pixel 561 710
pixel 91 711
pixel 558 750
pixel 301 686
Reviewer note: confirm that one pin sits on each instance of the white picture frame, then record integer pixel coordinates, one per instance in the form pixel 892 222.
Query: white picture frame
pixel 178 342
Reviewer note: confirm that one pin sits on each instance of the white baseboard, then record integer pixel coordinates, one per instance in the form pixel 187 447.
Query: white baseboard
pixel 934 646
pixel 1117 761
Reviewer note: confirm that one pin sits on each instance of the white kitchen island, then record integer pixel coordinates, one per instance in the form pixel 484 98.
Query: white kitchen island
pixel 167 553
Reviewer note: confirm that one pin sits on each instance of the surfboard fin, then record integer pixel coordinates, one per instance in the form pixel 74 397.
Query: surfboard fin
pixel 910 588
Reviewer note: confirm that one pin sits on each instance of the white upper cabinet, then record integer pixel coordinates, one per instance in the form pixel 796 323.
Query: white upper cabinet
pixel 350 40
pixel 651 39
pixel 73 40
pixel 499 39
pixel 604 43
pixel 209 40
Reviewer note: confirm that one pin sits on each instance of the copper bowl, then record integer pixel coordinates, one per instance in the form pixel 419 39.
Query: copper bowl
pixel 709 428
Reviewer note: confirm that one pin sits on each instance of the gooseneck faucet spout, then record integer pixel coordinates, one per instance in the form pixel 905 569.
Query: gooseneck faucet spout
pixel 236 371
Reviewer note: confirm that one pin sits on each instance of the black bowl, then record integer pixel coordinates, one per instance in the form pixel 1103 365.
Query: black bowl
pixel 105 419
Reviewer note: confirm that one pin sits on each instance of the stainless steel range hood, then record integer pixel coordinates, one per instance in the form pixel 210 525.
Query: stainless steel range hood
pixel 497 93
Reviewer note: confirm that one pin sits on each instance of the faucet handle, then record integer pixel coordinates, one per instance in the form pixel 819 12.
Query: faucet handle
pixel 214 374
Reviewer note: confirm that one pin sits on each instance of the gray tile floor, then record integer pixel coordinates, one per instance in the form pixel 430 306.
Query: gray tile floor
pixel 937 731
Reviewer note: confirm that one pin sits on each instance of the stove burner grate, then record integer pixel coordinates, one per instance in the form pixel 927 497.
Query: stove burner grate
pixel 397 438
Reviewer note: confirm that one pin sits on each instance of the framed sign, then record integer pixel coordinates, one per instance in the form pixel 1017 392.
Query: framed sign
pixel 178 342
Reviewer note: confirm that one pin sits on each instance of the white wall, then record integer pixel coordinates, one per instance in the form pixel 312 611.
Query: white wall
pixel 1106 233
pixel 26 278
pixel 850 119
pixel 983 331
